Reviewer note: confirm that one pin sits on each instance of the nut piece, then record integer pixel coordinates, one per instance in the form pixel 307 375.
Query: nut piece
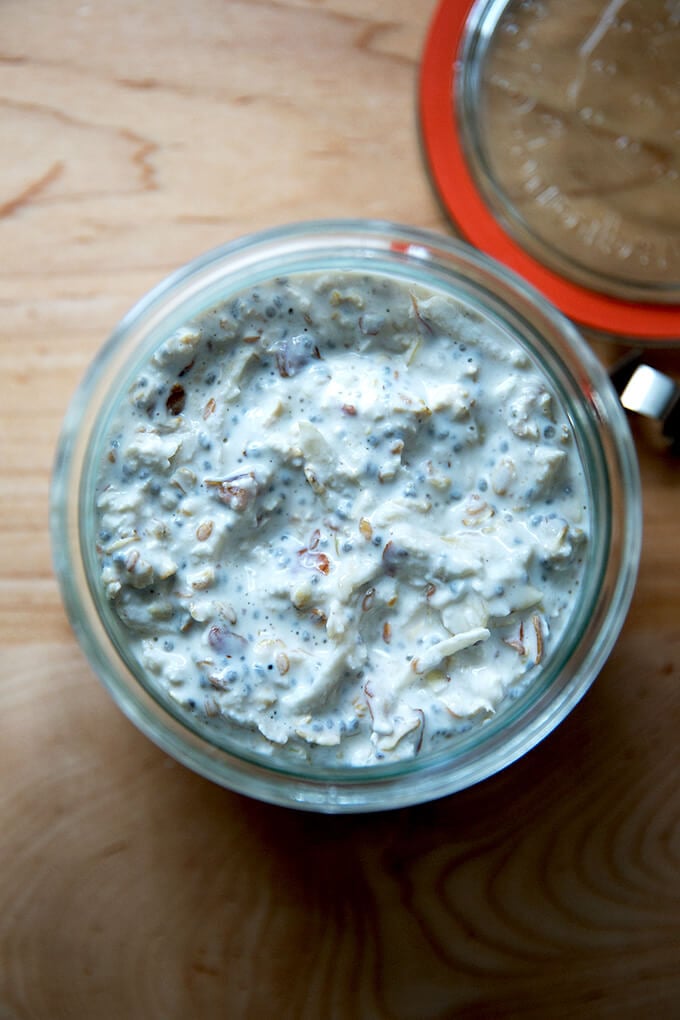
pixel 204 530
pixel 536 620
pixel 176 399
pixel 202 580
pixel 366 528
pixel 282 663
pixel 503 476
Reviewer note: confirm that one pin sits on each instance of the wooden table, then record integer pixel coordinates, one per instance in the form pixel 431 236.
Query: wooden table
pixel 134 136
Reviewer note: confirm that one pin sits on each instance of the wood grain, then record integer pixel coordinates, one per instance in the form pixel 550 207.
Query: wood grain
pixel 136 135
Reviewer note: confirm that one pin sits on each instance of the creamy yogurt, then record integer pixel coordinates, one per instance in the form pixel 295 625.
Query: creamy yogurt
pixel 342 518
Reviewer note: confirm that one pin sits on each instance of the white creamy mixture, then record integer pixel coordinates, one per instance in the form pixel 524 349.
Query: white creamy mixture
pixel 342 516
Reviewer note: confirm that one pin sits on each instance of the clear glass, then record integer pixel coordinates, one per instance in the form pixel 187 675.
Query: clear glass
pixel 569 120
pixel 605 447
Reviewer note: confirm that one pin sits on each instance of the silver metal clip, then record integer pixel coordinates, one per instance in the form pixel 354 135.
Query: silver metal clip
pixel 646 391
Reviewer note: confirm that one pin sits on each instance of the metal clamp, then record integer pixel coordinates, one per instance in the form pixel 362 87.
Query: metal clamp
pixel 646 391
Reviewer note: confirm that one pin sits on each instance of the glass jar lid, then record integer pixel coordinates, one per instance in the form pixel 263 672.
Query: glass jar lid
pixel 552 133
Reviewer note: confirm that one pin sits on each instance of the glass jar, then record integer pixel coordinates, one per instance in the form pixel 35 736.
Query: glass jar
pixel 548 129
pixel 602 437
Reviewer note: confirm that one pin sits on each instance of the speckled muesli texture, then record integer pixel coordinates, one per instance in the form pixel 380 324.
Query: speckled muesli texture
pixel 342 516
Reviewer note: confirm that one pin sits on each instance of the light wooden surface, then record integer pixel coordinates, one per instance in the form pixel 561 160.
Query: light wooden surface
pixel 135 135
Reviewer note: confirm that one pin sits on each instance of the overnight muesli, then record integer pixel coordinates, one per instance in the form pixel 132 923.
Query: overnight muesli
pixel 341 517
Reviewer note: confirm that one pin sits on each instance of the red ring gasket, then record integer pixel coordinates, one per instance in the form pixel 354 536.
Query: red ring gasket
pixel 466 206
